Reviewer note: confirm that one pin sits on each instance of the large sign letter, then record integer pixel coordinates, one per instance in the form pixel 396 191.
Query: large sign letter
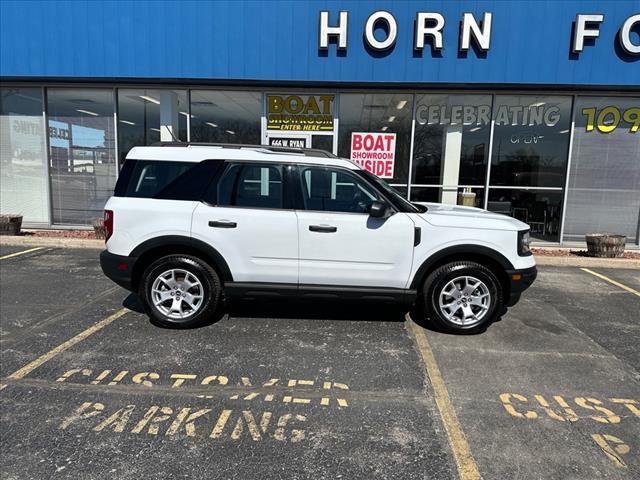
pixel 434 31
pixel 370 26
pixel 481 35
pixel 325 31
pixel 580 30
pixel 625 35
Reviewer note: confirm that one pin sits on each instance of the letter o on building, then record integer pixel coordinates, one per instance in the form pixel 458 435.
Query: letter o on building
pixel 624 36
pixel 392 26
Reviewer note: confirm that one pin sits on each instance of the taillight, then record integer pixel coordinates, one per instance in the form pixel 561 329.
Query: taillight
pixel 108 224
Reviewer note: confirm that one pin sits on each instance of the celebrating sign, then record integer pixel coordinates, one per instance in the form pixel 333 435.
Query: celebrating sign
pixel 375 152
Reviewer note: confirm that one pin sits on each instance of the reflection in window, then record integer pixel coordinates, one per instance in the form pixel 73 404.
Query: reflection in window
pixel 451 144
pixel 226 116
pixel 425 194
pixel 378 113
pixel 330 190
pixel 604 182
pixel 23 180
pixel 530 140
pixel 539 209
pixel 149 116
pixel 81 153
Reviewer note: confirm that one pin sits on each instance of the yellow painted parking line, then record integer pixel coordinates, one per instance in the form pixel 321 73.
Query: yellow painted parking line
pixel 11 255
pixel 30 367
pixel 611 281
pixel 467 468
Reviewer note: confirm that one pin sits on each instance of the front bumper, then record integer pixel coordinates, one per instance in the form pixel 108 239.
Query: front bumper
pixel 118 268
pixel 519 281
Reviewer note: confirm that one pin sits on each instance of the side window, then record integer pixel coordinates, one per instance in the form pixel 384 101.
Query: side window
pixel 251 185
pixel 146 178
pixel 335 190
pixel 166 180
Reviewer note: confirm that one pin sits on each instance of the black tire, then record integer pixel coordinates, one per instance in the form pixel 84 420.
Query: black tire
pixel 211 291
pixel 441 277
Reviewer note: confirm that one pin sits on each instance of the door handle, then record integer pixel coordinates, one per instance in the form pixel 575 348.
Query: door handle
pixel 323 228
pixel 222 224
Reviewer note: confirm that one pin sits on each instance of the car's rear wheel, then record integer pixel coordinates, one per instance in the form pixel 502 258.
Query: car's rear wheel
pixel 462 297
pixel 180 291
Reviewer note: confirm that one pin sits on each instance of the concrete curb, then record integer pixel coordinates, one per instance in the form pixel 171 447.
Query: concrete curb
pixel 99 245
pixel 52 242
pixel 587 262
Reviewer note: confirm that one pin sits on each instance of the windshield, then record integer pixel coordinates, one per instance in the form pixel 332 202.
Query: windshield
pixel 389 191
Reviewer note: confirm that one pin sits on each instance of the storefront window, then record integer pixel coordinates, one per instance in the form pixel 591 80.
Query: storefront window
pixel 226 116
pixel 465 196
pixel 530 149
pixel 23 180
pixel 451 145
pixel 604 181
pixel 530 140
pixel 538 208
pixel 149 116
pixel 378 113
pixel 82 162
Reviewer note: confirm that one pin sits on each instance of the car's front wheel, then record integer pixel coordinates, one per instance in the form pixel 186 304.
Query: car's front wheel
pixel 462 297
pixel 180 291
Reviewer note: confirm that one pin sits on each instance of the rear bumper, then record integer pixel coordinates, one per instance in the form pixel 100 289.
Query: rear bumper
pixel 118 268
pixel 519 281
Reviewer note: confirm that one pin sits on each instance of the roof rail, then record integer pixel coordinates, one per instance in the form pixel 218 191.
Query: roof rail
pixel 309 152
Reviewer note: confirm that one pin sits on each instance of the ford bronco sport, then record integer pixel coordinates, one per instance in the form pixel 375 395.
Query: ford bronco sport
pixel 189 224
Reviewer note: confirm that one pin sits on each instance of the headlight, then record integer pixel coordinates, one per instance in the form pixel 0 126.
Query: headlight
pixel 524 241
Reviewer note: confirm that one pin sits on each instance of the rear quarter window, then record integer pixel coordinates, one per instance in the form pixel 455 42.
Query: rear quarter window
pixel 166 180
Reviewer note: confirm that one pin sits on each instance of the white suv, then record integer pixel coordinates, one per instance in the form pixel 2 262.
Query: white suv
pixel 189 224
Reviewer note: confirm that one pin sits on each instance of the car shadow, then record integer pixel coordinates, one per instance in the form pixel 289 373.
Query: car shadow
pixel 420 319
pixel 250 308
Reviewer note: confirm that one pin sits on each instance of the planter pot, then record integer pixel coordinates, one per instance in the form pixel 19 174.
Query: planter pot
pixel 10 224
pixel 605 245
pixel 98 228
pixel 467 199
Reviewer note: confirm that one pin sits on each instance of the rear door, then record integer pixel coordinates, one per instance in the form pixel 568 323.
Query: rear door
pixel 340 244
pixel 248 219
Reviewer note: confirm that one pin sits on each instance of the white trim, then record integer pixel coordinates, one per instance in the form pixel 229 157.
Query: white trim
pixel 518 187
pixel 188 117
pixel 115 130
pixel 568 171
pixel 489 154
pixel 336 122
pixel 45 128
pixel 413 135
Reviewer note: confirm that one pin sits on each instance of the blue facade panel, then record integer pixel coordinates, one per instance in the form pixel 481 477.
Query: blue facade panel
pixel 278 41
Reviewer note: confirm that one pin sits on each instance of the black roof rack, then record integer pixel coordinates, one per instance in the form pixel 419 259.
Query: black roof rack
pixel 309 152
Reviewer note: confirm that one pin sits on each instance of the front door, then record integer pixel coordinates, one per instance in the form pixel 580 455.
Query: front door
pixel 249 225
pixel 339 243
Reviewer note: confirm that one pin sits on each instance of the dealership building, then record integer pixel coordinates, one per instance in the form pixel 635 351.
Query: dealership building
pixel 531 109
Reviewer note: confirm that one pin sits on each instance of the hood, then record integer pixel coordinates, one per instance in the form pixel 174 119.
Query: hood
pixel 443 215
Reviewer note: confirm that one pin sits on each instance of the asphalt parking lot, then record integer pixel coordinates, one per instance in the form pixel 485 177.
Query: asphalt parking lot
pixel 89 388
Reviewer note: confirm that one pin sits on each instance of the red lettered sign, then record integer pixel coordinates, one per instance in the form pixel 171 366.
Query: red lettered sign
pixel 375 152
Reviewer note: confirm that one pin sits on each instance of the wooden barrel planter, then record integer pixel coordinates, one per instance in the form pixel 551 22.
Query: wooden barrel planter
pixel 10 224
pixel 98 228
pixel 605 245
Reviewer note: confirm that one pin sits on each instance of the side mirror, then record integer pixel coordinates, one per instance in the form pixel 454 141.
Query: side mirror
pixel 378 209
